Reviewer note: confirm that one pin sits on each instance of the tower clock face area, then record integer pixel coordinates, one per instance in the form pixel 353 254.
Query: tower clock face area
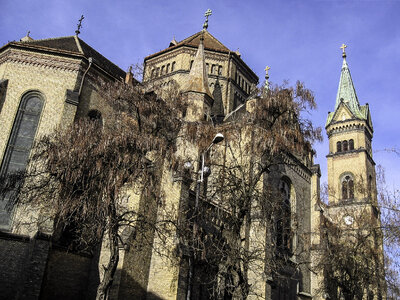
pixel 348 220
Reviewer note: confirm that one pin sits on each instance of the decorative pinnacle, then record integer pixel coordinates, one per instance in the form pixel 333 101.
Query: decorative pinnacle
pixel 266 86
pixel 207 14
pixel 29 32
pixel 266 72
pixel 344 50
pixel 77 32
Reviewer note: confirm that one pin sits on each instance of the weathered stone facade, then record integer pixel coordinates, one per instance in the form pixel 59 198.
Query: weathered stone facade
pixel 65 72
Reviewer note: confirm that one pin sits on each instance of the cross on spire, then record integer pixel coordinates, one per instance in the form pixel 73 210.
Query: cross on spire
pixel 266 71
pixel 344 50
pixel 77 32
pixel 207 14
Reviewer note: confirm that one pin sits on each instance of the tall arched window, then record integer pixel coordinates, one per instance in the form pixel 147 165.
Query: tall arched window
pixel 283 225
pixel 20 142
pixel 347 187
pixel 345 146
pixel 351 144
pixel 339 147
pixel 369 187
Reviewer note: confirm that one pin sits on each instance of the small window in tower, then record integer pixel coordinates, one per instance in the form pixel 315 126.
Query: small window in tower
pixel 173 66
pixel 158 72
pixel 167 71
pixel 339 147
pixel 162 70
pixel 152 73
pixel 219 70
pixel 345 146
pixel 212 69
pixel 191 64
pixel 351 144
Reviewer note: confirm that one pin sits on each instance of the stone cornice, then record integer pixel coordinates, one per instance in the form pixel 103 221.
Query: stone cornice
pixel 350 152
pixel 347 126
pixel 36 59
pixel 297 166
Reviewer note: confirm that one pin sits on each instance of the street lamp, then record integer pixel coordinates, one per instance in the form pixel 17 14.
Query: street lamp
pixel 217 139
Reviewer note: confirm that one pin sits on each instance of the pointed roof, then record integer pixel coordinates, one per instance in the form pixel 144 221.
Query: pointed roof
pixel 198 78
pixel 72 45
pixel 210 43
pixel 346 91
pixel 347 96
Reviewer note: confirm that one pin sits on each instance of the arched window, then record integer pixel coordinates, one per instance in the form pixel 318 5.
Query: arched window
pixel 369 187
pixel 345 146
pixel 283 225
pixel 351 144
pixel 20 142
pixel 95 115
pixel 339 147
pixel 347 188
pixel 167 71
pixel 173 66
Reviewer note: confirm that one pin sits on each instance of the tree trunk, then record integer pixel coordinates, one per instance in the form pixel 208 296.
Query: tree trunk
pixel 105 285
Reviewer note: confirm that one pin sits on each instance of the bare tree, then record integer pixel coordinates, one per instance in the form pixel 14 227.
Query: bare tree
pixel 242 195
pixel 78 175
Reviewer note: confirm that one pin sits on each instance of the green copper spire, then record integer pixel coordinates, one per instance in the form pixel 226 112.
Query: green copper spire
pixel 346 91
pixel 346 94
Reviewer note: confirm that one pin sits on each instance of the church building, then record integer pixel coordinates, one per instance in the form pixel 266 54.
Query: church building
pixel 50 83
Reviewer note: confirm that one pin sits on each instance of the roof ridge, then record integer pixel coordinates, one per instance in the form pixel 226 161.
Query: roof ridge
pixel 48 39
pixel 78 44
pixel 82 41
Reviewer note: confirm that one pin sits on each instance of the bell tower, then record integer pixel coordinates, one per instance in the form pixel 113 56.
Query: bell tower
pixel 351 168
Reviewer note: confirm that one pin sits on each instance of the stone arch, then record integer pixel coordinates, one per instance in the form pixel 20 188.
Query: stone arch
pixel 20 143
pixel 347 186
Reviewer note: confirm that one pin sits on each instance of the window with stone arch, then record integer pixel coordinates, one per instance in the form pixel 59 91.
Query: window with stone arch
pixel 284 240
pixel 345 145
pixel 351 144
pixel 339 147
pixel 347 183
pixel 20 142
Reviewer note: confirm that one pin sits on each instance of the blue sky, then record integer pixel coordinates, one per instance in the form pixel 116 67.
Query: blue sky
pixel 300 40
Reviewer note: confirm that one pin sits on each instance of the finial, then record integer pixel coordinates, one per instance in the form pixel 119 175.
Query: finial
pixel 266 86
pixel 344 50
pixel 77 32
pixel 266 72
pixel 207 14
pixel 28 33
pixel 130 69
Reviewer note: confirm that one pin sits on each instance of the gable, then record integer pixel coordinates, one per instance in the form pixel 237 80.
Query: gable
pixel 342 113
